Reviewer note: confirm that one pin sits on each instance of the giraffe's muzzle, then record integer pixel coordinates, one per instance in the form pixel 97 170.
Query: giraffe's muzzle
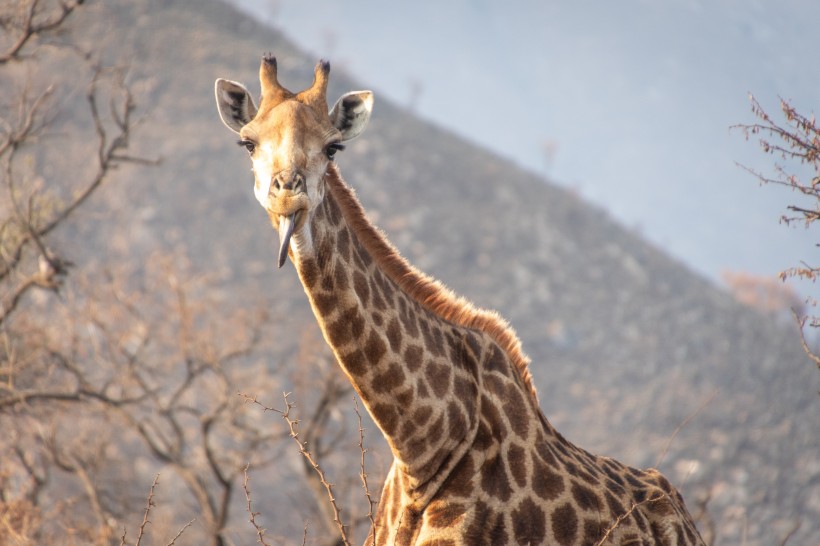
pixel 287 199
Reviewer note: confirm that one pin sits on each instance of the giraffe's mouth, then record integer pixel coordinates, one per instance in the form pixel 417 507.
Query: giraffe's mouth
pixel 287 223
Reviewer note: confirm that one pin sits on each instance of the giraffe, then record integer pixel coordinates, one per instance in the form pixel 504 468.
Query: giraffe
pixel 475 461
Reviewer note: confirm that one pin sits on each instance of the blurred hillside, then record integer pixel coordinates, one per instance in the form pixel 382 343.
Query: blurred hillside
pixel 626 343
pixel 627 102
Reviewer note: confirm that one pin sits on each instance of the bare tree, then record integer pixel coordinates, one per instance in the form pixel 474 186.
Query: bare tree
pixel 94 380
pixel 795 143
pixel 115 373
pixel 24 21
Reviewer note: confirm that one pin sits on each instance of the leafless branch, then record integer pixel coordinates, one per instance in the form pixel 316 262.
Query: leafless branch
pixel 31 23
pixel 294 434
pixel 791 532
pixel 681 426
pixel 108 147
pixel 796 141
pixel 801 323
pixel 179 533
pixel 707 524
pixel 148 505
pixel 625 515
pixel 260 531
pixel 363 473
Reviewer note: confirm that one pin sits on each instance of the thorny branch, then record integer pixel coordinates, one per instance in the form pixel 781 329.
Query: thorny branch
pixel 148 505
pixel 179 533
pixel 260 531
pixel 363 473
pixel 145 521
pixel 625 515
pixel 294 433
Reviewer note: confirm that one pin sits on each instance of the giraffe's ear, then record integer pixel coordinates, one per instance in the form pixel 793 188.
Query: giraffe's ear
pixel 235 105
pixel 351 113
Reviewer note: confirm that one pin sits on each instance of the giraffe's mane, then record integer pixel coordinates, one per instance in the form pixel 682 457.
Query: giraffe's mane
pixel 428 292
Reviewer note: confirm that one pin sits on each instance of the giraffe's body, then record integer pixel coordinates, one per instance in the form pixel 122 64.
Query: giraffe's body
pixel 475 460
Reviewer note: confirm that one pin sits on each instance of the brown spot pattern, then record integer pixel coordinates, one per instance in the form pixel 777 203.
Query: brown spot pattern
pixel 374 348
pixel 529 523
pixel 585 498
pixel 425 393
pixel 442 513
pixel 457 423
pixel 355 362
pixel 516 411
pixel 439 377
pixel 343 246
pixel 494 479
pixel 413 357
pixel 517 459
pixel 361 287
pixel 564 524
pixel 460 482
pixel 392 378
pixel 408 318
pixel 546 483
pixel 488 526
pixel 387 416
pixel 394 336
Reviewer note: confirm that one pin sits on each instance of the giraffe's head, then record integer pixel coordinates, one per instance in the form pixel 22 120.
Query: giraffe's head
pixel 291 139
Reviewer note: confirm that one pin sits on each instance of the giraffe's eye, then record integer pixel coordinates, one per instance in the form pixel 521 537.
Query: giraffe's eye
pixel 332 148
pixel 248 144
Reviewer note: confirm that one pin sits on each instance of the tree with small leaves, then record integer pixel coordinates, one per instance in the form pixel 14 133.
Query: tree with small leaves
pixel 795 144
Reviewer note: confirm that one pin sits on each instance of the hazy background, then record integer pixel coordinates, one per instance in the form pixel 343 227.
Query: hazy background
pixel 629 103
pixel 175 303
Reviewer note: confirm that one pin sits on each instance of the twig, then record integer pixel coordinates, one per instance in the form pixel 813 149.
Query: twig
pixel 179 534
pixel 148 505
pixel 707 524
pixel 791 533
pixel 260 531
pixel 801 322
pixel 680 427
pixel 363 474
pixel 294 433
pixel 28 28
pixel 625 515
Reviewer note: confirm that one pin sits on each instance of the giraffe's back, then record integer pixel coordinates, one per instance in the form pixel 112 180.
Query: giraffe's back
pixel 521 482
pixel 534 496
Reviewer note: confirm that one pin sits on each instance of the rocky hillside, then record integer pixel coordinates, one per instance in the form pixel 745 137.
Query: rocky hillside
pixel 626 343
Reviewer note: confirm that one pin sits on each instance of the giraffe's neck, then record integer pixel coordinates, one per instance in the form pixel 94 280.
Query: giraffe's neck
pixel 417 374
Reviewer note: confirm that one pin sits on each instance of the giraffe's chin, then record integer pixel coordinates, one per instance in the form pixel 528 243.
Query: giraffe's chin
pixel 286 226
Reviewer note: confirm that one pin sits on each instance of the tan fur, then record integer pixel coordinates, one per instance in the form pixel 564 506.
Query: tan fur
pixel 475 459
pixel 429 292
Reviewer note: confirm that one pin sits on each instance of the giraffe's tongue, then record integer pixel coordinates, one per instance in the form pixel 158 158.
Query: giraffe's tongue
pixel 286 225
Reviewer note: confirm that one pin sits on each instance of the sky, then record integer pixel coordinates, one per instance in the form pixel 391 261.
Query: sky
pixel 628 103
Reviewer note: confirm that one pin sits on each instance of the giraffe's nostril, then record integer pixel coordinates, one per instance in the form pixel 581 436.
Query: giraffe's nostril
pixel 276 184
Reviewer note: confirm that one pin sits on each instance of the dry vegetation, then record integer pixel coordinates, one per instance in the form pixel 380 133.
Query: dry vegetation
pixel 795 143
pixel 115 373
pixel 120 408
